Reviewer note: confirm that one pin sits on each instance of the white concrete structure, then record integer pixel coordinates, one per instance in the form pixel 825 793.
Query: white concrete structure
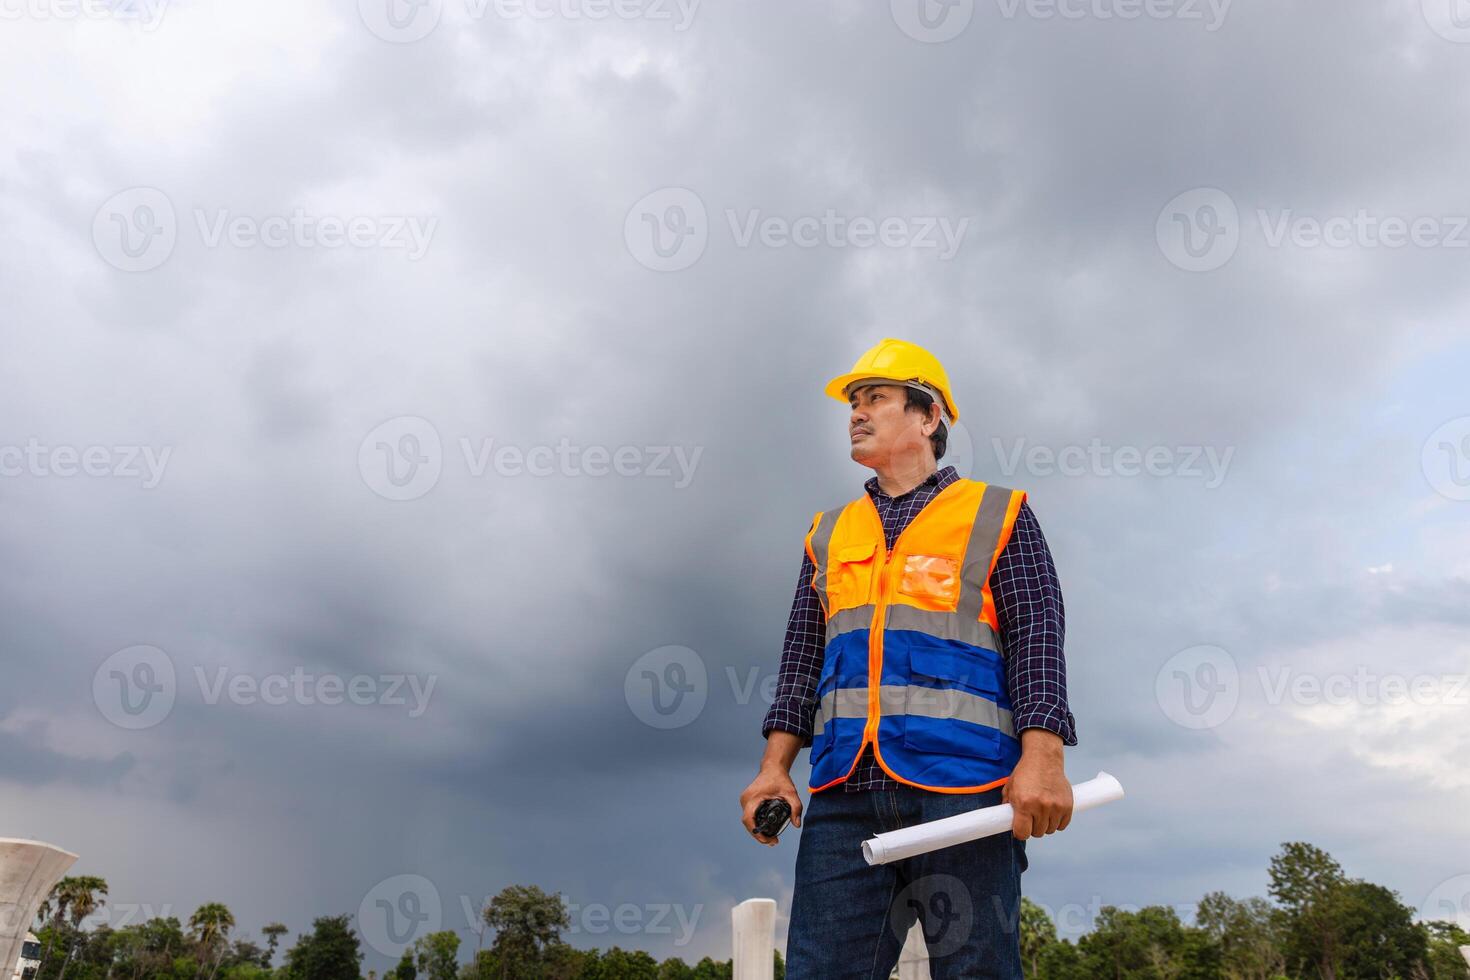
pixel 754 922
pixel 913 962
pixel 28 870
pixel 1465 952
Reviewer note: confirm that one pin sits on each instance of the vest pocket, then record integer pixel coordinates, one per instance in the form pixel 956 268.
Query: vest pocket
pixel 933 577
pixel 851 577
pixel 950 704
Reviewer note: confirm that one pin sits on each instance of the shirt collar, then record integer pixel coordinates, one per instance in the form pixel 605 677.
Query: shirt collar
pixel 938 480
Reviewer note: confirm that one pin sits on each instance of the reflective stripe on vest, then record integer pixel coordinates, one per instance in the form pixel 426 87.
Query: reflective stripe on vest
pixel 920 622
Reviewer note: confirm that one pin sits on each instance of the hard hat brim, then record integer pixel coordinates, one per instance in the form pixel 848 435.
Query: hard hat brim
pixel 836 388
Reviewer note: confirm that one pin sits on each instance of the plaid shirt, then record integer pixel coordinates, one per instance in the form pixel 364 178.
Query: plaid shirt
pixel 1028 604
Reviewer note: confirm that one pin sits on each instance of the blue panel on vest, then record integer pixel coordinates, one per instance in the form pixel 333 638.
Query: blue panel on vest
pixel 918 658
pixel 845 662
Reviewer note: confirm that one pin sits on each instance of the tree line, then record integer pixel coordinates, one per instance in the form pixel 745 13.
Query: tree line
pixel 1318 924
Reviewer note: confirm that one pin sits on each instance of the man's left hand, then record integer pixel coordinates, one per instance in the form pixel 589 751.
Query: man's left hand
pixel 1038 789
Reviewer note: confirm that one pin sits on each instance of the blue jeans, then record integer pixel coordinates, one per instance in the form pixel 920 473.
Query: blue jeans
pixel 850 919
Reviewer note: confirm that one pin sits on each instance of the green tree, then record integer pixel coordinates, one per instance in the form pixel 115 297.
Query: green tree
pixel 437 955
pixel 526 921
pixel 329 952
pixel 273 933
pixel 82 896
pixel 1037 933
pixel 1247 933
pixel 1445 960
pixel 1150 944
pixel 1303 879
pixel 1379 937
pixel 405 970
pixel 211 924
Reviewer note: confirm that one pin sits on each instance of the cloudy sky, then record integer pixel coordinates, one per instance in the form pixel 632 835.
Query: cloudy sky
pixel 395 399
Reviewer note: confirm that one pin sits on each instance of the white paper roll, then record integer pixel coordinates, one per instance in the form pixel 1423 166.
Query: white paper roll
pixel 921 838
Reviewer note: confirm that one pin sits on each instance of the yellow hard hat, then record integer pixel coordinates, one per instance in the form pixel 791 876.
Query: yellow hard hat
pixel 898 361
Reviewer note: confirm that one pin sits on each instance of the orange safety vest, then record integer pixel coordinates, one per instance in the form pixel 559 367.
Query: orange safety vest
pixel 913 661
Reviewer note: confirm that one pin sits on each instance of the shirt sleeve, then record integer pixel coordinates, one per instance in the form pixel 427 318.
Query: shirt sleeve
pixel 1028 605
pixel 794 707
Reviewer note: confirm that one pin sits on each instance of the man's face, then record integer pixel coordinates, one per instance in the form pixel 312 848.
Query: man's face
pixel 882 432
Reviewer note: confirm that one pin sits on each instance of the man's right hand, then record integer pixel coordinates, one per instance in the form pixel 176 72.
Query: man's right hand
pixel 773 782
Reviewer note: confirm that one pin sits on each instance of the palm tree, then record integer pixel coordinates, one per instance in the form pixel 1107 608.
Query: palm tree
pixel 54 910
pixel 212 921
pixel 84 895
pixel 273 934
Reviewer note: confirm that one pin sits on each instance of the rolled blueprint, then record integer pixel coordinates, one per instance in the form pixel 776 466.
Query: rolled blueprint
pixel 984 822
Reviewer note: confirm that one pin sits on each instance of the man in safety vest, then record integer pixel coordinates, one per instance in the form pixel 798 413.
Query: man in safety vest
pixel 923 665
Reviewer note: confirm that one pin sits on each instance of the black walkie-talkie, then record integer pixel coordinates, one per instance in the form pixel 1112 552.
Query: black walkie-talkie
pixel 771 817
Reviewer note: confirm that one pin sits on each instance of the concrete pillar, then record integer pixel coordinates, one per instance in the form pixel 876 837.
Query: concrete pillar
pixel 913 962
pixel 754 922
pixel 1465 952
pixel 28 869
